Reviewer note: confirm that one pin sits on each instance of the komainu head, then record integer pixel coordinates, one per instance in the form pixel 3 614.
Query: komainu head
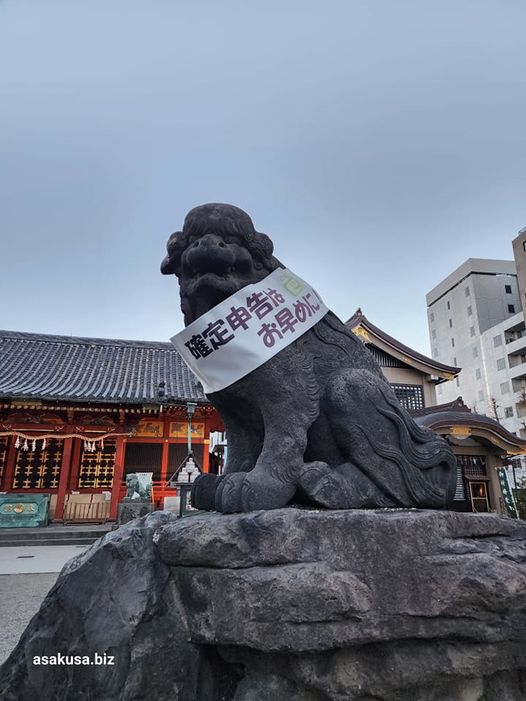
pixel 216 254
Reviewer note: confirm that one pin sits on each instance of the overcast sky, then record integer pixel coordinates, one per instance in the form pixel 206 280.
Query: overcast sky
pixel 379 143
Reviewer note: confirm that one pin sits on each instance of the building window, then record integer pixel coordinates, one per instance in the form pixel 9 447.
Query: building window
pixel 431 317
pixel 470 311
pixel 409 396
pixel 467 292
pixel 433 333
pixel 501 363
pixel 96 467
pixel 471 330
pixel 439 390
pixel 38 468
pixel 481 395
pixel 451 323
pixel 497 341
pixel 508 412
pixel 504 387
pixel 511 309
pixel 458 383
pixel 435 352
pixel 524 245
pixel 454 362
pixel 508 289
pixel 449 305
pixel 477 374
pixel 472 465
pixel 475 352
pixel 453 342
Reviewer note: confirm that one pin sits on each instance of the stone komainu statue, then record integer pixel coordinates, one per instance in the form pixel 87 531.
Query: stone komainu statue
pixel 316 424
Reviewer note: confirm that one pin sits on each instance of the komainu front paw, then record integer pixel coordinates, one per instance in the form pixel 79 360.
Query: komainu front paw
pixel 251 491
pixel 204 491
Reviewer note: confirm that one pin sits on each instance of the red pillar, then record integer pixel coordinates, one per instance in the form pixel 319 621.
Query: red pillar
pixel 159 497
pixel 74 472
pixel 9 471
pixel 117 476
pixel 206 455
pixel 63 481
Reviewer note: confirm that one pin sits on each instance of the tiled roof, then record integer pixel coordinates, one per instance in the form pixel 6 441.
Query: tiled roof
pixel 37 366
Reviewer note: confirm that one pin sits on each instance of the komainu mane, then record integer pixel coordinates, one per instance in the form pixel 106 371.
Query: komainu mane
pixel 316 424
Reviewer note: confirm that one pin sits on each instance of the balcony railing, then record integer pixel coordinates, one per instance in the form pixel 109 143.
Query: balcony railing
pixel 515 336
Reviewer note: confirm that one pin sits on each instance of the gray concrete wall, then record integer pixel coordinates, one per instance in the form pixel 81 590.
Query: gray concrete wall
pixel 491 300
pixel 471 265
pixel 520 263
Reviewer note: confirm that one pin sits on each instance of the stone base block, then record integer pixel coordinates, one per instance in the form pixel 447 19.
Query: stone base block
pixel 129 510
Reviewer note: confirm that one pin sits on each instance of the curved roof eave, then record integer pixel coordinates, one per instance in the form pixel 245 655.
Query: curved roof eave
pixel 362 327
pixel 463 424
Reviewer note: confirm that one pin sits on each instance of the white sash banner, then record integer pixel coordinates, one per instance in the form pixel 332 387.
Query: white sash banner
pixel 248 328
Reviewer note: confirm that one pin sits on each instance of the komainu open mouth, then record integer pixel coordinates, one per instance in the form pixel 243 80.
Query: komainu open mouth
pixel 224 273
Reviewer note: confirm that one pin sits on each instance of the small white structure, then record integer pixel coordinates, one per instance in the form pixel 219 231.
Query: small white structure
pixel 188 472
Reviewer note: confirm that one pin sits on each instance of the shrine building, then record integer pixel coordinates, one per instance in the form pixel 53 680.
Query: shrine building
pixel 78 414
pixel 482 446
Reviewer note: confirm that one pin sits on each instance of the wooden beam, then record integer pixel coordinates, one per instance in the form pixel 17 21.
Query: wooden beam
pixel 65 467
pixel 118 471
pixel 9 471
pixel 164 463
pixel 75 464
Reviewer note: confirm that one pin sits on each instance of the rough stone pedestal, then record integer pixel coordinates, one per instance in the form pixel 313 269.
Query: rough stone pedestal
pixel 129 510
pixel 287 605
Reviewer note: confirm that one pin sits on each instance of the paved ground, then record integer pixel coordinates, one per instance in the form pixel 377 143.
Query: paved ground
pixel 26 576
pixel 32 559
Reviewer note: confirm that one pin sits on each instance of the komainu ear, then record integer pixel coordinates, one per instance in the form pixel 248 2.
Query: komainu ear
pixel 266 246
pixel 260 247
pixel 171 264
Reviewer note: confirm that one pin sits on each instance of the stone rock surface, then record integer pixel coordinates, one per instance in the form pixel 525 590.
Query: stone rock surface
pixel 114 598
pixel 288 605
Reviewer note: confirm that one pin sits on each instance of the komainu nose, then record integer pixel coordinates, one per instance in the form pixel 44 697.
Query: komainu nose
pixel 210 241
pixel 209 254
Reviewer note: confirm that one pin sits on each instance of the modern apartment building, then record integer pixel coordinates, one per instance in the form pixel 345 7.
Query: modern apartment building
pixel 476 322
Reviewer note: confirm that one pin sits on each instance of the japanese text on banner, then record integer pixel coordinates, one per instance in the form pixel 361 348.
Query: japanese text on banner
pixel 255 323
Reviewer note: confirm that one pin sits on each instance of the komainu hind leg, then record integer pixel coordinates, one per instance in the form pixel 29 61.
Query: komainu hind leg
pixel 390 460
pixel 342 487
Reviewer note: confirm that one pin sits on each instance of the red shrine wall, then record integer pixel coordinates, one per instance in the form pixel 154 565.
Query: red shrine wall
pixel 88 451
